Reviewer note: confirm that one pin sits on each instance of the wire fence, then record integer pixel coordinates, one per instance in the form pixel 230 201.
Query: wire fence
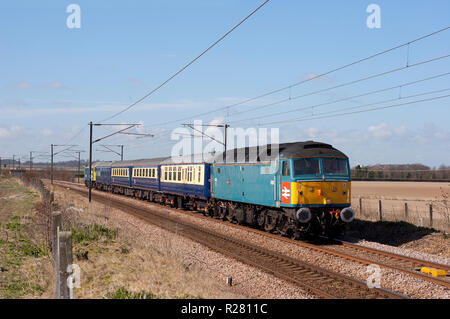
pixel 422 213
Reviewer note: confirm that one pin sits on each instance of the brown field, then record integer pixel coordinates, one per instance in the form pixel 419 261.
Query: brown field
pixel 400 190
pixel 393 195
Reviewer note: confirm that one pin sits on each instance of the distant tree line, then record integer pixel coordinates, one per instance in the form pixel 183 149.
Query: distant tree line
pixel 411 172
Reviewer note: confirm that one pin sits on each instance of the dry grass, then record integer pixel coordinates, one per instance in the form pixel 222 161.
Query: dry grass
pixel 130 265
pixel 26 269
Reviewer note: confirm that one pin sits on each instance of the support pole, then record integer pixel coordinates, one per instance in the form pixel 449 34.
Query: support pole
pixel 51 168
pixel 121 153
pixel 31 159
pixel 78 175
pixel 90 162
pixel 225 127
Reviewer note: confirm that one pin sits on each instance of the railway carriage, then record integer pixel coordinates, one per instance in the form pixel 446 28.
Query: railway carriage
pixel 121 173
pixel 303 188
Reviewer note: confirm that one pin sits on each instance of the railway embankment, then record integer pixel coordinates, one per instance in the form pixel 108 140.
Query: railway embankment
pixel 25 264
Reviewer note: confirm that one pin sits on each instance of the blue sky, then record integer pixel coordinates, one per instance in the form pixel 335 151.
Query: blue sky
pixel 55 79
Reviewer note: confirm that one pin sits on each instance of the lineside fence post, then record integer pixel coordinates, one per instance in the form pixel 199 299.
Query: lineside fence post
pixel 380 211
pixel 55 227
pixel 64 260
pixel 431 215
pixel 360 206
pixel 406 211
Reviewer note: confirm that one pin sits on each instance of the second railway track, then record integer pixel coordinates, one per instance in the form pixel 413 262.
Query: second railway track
pixel 319 281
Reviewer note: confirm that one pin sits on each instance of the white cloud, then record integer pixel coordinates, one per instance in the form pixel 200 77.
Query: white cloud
pixel 312 132
pixel 379 131
pixel 23 85
pixel 12 131
pixel 46 132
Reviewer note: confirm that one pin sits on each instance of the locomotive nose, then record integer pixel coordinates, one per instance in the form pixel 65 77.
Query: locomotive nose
pixel 347 215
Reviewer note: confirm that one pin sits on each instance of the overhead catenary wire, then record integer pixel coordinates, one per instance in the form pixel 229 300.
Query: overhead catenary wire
pixel 354 112
pixel 345 84
pixel 184 67
pixel 342 99
pixel 297 83
pixel 309 79
pixel 373 103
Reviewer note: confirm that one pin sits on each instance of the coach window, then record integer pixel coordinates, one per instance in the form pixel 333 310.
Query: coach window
pixel 199 173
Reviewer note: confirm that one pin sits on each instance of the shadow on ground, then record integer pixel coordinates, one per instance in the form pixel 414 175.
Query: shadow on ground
pixel 388 233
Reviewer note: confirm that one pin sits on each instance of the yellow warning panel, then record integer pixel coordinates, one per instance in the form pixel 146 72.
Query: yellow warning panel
pixel 434 272
pixel 438 273
pixel 426 270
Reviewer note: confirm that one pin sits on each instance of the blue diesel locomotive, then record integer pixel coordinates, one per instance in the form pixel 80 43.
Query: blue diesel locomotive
pixel 304 189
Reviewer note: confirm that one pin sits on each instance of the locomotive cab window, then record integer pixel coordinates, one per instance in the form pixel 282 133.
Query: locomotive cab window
pixel 306 166
pixel 334 166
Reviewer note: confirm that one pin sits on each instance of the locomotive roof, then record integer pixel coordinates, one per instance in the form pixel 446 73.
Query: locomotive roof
pixel 267 153
pixel 285 150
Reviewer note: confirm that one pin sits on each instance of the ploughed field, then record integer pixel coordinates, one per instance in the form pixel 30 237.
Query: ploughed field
pixel 394 195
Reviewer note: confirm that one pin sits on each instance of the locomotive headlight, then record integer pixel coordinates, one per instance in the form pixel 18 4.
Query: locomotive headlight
pixel 303 215
pixel 347 215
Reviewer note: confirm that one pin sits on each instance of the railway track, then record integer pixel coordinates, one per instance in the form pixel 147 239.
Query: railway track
pixel 318 281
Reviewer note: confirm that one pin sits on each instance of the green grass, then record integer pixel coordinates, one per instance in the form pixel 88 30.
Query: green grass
pixel 84 234
pixel 123 293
